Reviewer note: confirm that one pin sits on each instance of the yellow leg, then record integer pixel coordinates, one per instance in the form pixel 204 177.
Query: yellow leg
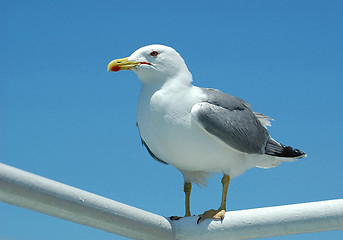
pixel 225 183
pixel 220 213
pixel 187 189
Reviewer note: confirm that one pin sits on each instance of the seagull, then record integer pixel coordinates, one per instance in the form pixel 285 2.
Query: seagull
pixel 199 131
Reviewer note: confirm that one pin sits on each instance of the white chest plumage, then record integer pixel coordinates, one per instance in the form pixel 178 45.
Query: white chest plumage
pixel 165 123
pixel 163 115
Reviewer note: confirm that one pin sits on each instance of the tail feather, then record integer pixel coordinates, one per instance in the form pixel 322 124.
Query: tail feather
pixel 277 149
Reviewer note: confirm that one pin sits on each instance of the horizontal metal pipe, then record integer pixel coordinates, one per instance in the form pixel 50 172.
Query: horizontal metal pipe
pixel 40 194
pixel 266 222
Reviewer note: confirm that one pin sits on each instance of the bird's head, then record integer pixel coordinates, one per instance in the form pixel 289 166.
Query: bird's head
pixel 153 63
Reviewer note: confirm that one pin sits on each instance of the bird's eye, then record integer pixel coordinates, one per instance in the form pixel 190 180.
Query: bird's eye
pixel 154 53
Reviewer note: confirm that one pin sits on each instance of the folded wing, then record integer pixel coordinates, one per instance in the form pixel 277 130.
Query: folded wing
pixel 231 120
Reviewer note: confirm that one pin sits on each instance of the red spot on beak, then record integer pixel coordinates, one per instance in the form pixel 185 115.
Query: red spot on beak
pixel 115 68
pixel 146 63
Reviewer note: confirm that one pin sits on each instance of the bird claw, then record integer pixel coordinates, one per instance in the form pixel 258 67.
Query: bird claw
pixel 213 214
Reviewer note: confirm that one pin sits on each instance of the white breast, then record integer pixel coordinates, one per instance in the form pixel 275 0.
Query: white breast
pixel 166 126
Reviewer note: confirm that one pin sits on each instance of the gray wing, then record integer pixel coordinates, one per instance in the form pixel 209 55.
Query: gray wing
pixel 231 120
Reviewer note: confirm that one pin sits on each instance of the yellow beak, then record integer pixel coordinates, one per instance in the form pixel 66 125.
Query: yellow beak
pixel 121 64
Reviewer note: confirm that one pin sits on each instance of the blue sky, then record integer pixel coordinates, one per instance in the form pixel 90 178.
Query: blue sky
pixel 65 118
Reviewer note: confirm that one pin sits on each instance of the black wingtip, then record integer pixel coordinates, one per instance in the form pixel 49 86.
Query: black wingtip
pixel 274 148
pixel 288 151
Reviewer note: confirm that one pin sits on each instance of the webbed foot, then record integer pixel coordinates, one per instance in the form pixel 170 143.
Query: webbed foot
pixel 213 214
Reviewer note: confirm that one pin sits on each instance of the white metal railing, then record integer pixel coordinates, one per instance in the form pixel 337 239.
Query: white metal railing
pixel 50 197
